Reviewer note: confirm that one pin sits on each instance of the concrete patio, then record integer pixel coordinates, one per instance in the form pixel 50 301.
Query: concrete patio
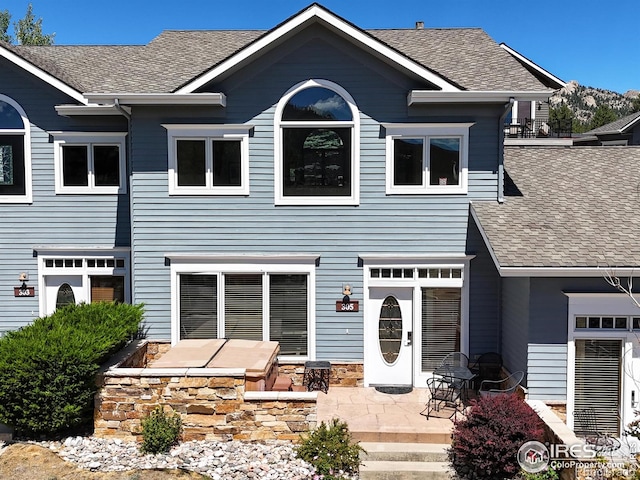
pixel 379 417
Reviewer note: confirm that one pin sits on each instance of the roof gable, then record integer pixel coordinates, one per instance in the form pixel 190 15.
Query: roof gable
pixel 317 14
pixel 41 69
pixel 622 125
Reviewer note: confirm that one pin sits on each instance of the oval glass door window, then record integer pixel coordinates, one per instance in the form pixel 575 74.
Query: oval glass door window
pixel 390 329
pixel 65 296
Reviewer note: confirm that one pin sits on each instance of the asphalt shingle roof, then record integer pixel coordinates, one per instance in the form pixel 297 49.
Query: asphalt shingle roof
pixel 467 57
pixel 616 126
pixel 567 207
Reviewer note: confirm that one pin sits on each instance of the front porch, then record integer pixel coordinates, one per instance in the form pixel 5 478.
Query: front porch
pixel 379 417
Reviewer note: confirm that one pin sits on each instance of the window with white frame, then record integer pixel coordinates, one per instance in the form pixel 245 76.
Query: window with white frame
pixel 15 153
pixel 317 146
pixel 208 159
pixel 427 158
pixel 246 305
pixel 90 162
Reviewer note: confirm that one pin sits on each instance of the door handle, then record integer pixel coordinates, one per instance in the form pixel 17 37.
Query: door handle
pixel 409 339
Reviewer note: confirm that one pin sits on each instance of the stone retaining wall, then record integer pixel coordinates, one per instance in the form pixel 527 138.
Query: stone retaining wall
pixel 213 405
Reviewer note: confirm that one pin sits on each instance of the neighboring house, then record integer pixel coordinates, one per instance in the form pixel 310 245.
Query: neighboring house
pixel 236 182
pixel 530 119
pixel 568 219
pixel 624 131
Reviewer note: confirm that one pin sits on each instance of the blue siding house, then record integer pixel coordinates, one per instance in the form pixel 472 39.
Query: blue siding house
pixel 240 184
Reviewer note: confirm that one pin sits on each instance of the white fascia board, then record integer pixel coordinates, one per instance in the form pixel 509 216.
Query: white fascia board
pixel 42 75
pixel 89 110
pixel 79 250
pixel 341 26
pixel 566 271
pixel 477 96
pixel 380 258
pixel 630 124
pixel 533 65
pixel 240 258
pixel 218 99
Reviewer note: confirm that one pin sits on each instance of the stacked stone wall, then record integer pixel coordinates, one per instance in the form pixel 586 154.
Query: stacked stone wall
pixel 212 407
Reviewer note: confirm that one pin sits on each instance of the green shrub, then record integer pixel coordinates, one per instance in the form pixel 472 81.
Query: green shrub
pixel 160 431
pixel 48 368
pixel 330 450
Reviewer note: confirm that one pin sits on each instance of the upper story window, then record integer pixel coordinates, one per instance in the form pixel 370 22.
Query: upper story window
pixel 427 158
pixel 317 146
pixel 90 162
pixel 15 153
pixel 208 159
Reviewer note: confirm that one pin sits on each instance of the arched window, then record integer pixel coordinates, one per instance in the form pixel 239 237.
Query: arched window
pixel 15 157
pixel 317 146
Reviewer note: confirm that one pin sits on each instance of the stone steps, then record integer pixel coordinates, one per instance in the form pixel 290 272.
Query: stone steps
pixel 404 461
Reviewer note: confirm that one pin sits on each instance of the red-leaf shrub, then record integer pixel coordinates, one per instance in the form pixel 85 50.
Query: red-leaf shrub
pixel 485 444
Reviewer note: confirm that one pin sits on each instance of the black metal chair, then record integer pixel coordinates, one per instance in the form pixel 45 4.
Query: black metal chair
pixel 488 366
pixel 491 388
pixel 442 394
pixel 586 427
pixel 455 359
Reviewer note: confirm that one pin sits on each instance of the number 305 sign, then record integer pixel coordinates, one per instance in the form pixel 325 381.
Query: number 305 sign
pixel 347 306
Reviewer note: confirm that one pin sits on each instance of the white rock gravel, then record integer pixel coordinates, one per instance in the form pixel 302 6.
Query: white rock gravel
pixel 218 460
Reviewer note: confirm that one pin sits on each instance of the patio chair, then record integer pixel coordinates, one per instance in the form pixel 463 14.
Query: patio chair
pixel 442 394
pixel 491 388
pixel 455 359
pixel 586 427
pixel 487 367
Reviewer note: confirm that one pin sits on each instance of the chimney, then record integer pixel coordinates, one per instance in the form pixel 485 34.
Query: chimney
pixel 419 25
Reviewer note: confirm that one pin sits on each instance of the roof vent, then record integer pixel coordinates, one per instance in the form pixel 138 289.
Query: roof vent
pixel 419 25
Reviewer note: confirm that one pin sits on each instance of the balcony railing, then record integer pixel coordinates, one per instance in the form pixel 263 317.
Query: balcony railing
pixel 538 128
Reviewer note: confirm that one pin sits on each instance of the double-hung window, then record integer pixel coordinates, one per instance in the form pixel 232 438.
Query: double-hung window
pixel 208 159
pixel 316 146
pixel 427 158
pixel 90 162
pixel 15 153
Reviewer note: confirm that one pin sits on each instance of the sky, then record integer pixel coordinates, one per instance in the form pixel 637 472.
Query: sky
pixel 584 41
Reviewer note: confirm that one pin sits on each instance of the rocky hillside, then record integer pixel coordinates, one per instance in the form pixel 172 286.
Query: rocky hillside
pixel 583 101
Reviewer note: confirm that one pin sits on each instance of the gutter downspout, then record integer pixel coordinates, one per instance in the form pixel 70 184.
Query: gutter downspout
pixel 127 115
pixel 507 109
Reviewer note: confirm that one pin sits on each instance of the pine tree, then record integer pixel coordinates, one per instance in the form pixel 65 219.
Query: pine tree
pixel 28 30
pixel 604 114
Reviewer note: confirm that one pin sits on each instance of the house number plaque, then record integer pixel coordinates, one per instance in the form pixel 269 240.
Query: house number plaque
pixel 24 292
pixel 352 306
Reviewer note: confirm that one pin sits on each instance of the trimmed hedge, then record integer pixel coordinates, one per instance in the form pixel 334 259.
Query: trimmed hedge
pixel 48 368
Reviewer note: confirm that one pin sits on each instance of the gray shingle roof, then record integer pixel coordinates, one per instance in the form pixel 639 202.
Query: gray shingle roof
pixel 617 126
pixel 467 57
pixel 571 207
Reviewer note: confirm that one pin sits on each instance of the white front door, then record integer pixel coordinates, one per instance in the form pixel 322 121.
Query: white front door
pixel 389 357
pixel 61 290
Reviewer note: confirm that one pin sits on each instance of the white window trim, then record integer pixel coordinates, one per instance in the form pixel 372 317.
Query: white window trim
pixel 207 133
pixel 280 198
pixel 263 267
pixel 90 139
pixel 426 131
pixel 85 271
pixel 462 263
pixel 26 131
pixel 602 305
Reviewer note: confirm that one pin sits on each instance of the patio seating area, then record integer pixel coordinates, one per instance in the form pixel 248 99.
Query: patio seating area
pixel 379 417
